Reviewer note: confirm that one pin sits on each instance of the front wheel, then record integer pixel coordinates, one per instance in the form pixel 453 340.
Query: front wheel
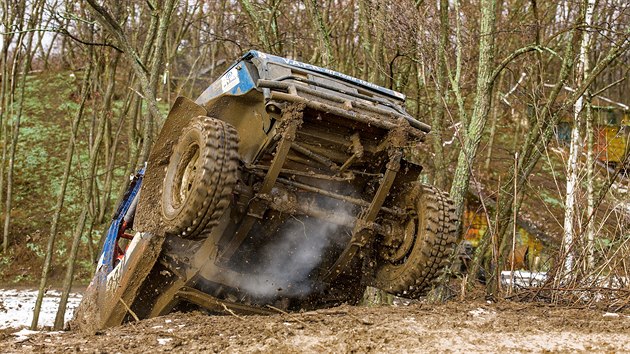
pixel 200 177
pixel 417 252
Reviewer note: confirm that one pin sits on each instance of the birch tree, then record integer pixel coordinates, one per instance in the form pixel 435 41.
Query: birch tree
pixel 576 143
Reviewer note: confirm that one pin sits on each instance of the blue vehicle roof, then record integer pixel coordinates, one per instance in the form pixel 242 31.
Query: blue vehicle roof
pixel 324 71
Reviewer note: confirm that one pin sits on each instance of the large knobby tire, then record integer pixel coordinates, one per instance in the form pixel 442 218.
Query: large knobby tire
pixel 200 177
pixel 433 224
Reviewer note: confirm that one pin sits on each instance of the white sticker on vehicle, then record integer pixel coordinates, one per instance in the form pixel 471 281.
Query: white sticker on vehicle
pixel 114 277
pixel 229 80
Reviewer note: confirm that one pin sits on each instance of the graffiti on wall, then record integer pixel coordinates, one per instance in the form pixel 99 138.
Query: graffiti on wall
pixel 528 251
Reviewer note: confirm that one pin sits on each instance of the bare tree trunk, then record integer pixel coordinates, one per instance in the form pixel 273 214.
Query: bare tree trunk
pixel 378 49
pixel 493 124
pixel 590 181
pixel 60 201
pixel 455 77
pixel 112 141
pixel 154 75
pixel 6 92
pixel 323 33
pixel 106 20
pixel 67 282
pixel 440 100
pixel 25 65
pixel 575 149
pixel 365 14
pixel 481 107
pixel 258 24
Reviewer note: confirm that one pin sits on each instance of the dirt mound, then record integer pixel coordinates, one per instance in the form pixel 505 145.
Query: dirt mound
pixel 469 327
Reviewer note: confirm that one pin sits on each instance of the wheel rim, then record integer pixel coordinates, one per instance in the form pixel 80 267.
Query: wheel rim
pixel 185 176
pixel 403 238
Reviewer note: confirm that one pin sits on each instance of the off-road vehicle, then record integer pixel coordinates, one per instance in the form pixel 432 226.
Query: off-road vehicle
pixel 284 186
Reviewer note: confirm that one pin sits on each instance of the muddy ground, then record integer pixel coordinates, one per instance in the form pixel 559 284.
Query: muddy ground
pixel 452 327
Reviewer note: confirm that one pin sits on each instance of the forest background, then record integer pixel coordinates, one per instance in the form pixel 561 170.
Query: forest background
pixel 86 85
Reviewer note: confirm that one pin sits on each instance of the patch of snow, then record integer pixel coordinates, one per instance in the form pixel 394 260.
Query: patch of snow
pixel 523 278
pixel 619 188
pixel 611 314
pixel 23 334
pixel 164 341
pixel 16 307
pixel 478 312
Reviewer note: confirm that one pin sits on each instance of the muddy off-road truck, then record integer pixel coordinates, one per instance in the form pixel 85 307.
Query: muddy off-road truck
pixel 284 186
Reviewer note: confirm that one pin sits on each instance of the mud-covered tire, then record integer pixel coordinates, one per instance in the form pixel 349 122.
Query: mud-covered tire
pixel 200 177
pixel 414 274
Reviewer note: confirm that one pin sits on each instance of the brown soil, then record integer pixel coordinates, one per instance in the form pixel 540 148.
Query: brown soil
pixel 453 327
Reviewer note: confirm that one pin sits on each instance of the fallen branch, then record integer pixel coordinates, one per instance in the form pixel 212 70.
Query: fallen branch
pixel 133 314
pixel 286 313
pixel 232 313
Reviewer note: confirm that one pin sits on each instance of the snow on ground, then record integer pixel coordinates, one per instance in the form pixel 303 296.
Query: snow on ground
pixel 16 307
pixel 523 278
pixel 533 279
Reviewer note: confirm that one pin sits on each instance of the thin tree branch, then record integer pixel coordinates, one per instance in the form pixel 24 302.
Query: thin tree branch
pixel 514 55
pixel 97 44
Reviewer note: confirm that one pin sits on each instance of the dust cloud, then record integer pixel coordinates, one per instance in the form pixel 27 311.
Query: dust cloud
pixel 289 261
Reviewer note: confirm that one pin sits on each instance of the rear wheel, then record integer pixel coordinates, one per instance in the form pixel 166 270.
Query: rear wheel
pixel 200 177
pixel 417 252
